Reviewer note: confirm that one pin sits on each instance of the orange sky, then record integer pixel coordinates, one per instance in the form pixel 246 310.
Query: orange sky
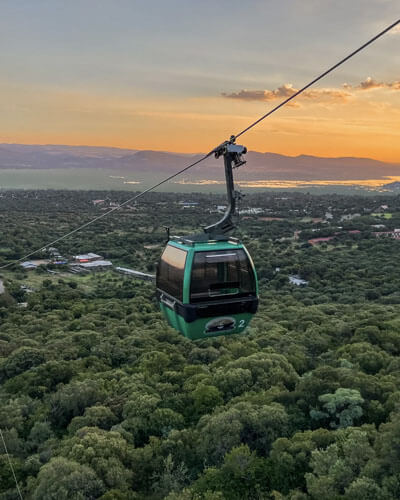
pixel 118 76
pixel 364 123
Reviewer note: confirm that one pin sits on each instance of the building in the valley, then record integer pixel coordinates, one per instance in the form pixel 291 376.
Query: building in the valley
pixel 77 269
pixel 87 257
pixel 188 204
pixel 251 211
pixel 53 251
pixel 317 241
pixel 296 280
pixel 29 265
pixel 96 265
pixel 136 274
pixel 395 234
pixel 59 262
pixel 349 217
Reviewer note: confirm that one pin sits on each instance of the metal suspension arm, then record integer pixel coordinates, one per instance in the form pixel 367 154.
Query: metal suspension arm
pixel 232 154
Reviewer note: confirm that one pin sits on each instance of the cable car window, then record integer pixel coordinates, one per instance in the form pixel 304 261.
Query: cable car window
pixel 221 274
pixel 171 270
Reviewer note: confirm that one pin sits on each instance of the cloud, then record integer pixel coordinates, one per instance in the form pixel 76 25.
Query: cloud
pixel 327 94
pixel 262 95
pixel 285 91
pixel 371 84
pixel 341 94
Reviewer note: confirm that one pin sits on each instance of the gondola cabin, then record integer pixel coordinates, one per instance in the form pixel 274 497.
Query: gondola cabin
pixel 207 288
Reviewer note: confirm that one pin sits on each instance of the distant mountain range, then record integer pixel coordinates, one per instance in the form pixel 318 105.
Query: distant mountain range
pixel 260 166
pixel 392 186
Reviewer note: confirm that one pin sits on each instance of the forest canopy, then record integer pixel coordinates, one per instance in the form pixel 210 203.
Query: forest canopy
pixel 101 399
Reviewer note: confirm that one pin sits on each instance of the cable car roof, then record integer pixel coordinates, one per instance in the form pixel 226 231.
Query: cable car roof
pixel 203 246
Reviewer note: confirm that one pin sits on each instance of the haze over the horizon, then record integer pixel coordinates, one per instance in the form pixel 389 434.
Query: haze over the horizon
pixel 184 75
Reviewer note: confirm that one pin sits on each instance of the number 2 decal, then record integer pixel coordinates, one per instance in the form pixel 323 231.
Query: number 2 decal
pixel 242 323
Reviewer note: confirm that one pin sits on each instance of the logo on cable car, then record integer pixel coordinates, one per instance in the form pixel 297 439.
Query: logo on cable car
pixel 223 324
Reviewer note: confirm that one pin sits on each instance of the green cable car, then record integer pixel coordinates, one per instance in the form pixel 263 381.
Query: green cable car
pixel 207 288
pixel 207 284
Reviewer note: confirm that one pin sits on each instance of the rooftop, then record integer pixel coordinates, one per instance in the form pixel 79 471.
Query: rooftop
pixel 296 280
pixel 88 256
pixel 96 263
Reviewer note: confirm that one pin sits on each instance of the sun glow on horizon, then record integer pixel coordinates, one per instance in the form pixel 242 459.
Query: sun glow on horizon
pixel 290 184
pixel 365 126
pixel 154 83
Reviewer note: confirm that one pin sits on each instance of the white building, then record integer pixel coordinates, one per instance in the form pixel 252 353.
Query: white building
pixel 95 265
pixel 87 257
pixel 135 274
pixel 251 211
pixel 296 280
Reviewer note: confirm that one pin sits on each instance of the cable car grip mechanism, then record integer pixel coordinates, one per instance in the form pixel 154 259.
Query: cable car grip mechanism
pixel 233 158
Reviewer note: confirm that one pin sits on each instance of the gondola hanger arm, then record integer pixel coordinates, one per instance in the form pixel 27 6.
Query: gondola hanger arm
pixel 233 158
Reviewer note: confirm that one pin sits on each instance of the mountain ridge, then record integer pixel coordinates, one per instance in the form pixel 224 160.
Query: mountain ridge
pixel 260 165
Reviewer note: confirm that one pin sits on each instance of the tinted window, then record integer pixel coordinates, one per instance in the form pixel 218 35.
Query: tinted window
pixel 171 270
pixel 221 274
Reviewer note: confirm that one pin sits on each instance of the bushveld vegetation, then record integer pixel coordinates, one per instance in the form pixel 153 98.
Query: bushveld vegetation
pixel 100 399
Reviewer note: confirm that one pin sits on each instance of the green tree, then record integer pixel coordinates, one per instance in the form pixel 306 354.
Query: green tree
pixel 335 468
pixel 290 458
pixel 21 360
pixel 95 416
pixel 106 453
pixel 205 399
pixel 341 408
pixel 364 488
pixel 72 399
pixel 241 476
pixel 63 479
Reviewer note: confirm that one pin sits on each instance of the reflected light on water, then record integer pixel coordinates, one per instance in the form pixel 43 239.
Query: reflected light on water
pixel 290 184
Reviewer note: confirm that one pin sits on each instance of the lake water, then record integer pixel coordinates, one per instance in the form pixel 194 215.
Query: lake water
pixel 81 178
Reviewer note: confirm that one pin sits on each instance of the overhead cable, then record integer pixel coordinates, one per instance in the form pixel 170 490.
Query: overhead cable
pixel 11 465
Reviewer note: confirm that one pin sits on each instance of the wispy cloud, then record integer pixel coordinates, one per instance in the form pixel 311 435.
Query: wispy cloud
pixel 371 84
pixel 287 90
pixel 262 95
pixel 340 94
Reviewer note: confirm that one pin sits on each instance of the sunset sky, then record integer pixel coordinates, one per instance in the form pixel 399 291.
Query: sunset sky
pixel 183 75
